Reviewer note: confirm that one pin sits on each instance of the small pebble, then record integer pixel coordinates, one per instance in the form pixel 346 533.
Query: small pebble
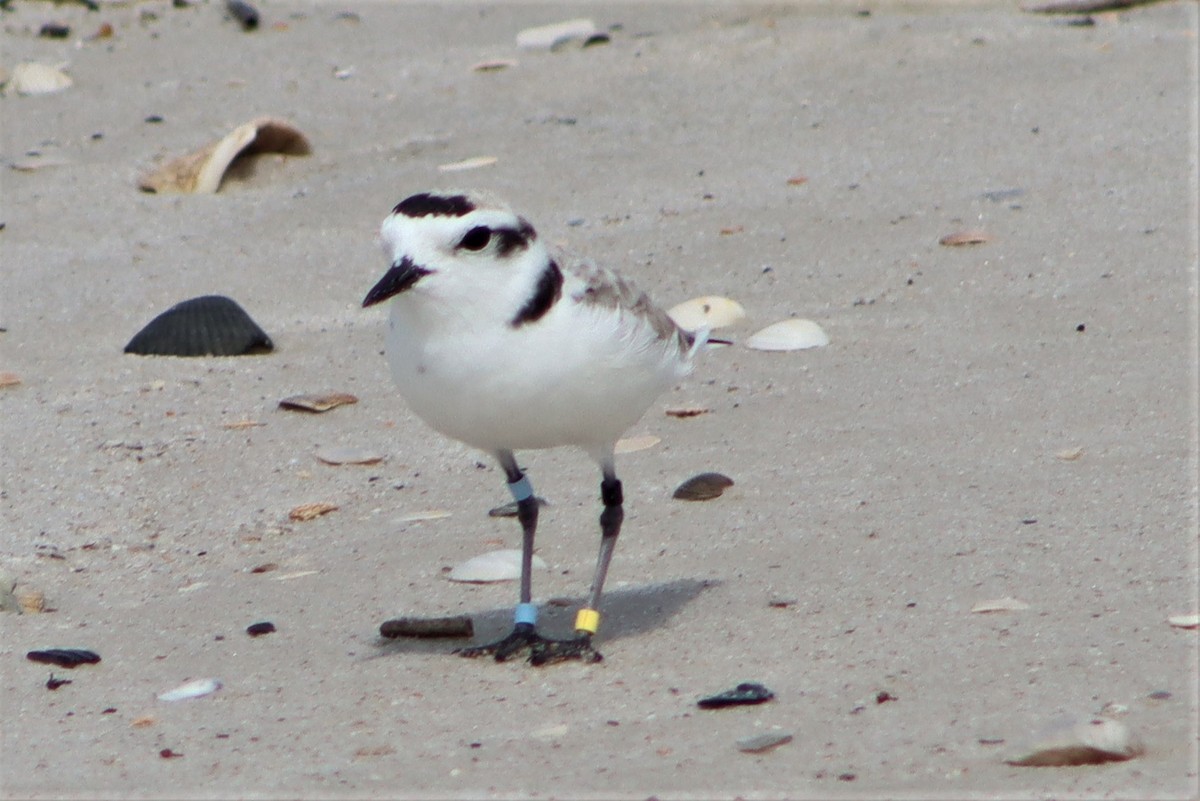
pixel 244 13
pixel 259 629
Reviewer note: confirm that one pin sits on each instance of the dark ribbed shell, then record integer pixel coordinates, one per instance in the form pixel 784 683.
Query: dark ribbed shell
pixel 212 325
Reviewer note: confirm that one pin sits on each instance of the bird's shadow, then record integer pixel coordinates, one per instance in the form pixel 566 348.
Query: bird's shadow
pixel 627 612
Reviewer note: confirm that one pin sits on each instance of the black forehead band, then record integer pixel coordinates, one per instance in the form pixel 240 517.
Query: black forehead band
pixel 425 204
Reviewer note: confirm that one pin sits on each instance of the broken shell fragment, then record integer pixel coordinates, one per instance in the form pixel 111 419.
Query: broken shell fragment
pixel 349 456
pixel 1091 741
pixel 703 487
pixel 632 444
pixel 709 311
pixel 428 627
pixel 552 37
pixel 468 164
pixel 32 78
pixel 1184 621
pixel 9 379
pixel 999 605
pixel 211 325
pixel 793 334
pixel 192 689
pixel 317 403
pixel 960 238
pixel 503 565
pixel 493 65
pixel 202 171
pixel 763 742
pixel 311 511
pixel 745 693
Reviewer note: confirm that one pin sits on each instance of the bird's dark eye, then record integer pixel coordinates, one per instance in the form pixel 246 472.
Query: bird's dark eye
pixel 477 238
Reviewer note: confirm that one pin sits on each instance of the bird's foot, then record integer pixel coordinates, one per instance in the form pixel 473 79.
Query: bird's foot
pixel 523 637
pixel 549 652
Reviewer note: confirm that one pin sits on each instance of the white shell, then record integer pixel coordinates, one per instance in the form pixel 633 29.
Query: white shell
pixel 503 565
pixel 1000 605
pixel 632 444
pixel 1184 621
pixel 709 311
pixel 1089 741
pixel 473 163
pixel 793 334
pixel 192 689
pixel 548 37
pixel 32 78
pixel 349 456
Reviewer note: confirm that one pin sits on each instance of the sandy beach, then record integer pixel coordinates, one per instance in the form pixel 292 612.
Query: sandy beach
pixel 1012 420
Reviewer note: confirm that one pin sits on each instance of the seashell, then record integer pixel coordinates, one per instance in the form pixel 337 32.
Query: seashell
pixel 32 78
pixel 238 425
pixel 211 325
pixel 999 605
pixel 503 565
pixel 960 238
pixel 709 311
pixel 202 171
pixel 428 627
pixel 468 164
pixel 1069 454
pixel 38 161
pixel 687 411
pixel 64 657
pixel 9 379
pixel 317 403
pixel 311 511
pixel 702 487
pixel 793 334
pixel 1184 621
pixel 1091 741
pixel 552 37
pixel 349 456
pixel 745 693
pixel 763 742
pixel 261 628
pixel 192 689
pixel 632 444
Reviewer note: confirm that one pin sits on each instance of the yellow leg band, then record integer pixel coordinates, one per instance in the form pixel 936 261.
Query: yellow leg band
pixel 588 620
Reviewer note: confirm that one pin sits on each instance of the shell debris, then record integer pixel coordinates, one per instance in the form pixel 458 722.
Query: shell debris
pixel 348 455
pixel 196 688
pixel 317 402
pixel 473 163
pixel 8 379
pixel 793 334
pixel 34 78
pixel 311 511
pixel 210 325
pixel 961 238
pixel 999 605
pixel 554 36
pixel 708 311
pixel 1184 621
pixel 634 444
pixel 502 565
pixel 1091 741
pixel 759 743
pixel 202 171
pixel 702 487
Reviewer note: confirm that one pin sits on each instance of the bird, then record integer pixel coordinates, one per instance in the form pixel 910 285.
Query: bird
pixel 501 342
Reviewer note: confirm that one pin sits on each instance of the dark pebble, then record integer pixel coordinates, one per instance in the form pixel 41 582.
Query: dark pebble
pixel 55 30
pixel 244 13
pixel 259 629
pixel 744 693
pixel 64 657
pixel 212 325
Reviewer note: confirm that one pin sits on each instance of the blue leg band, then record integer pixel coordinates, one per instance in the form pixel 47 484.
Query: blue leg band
pixel 521 489
pixel 526 613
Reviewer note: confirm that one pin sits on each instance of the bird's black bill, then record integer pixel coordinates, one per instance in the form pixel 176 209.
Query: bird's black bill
pixel 402 275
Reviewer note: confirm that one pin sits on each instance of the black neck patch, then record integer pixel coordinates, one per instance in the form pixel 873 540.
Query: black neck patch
pixel 547 293
pixel 425 204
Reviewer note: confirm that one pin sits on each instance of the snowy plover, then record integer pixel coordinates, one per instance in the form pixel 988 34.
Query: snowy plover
pixel 499 344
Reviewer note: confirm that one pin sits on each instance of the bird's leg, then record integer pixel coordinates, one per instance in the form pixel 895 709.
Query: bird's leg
pixel 524 634
pixel 587 621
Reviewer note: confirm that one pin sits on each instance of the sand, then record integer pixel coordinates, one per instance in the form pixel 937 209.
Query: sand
pixel 1015 418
